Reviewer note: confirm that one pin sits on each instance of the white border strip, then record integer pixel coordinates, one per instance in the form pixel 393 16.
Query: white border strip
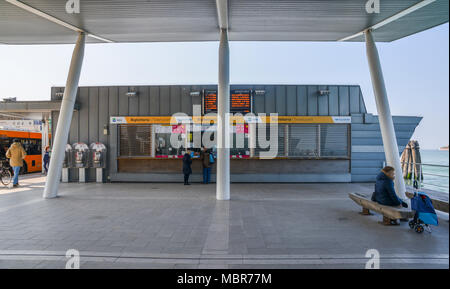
pixel 392 18
pixel 55 20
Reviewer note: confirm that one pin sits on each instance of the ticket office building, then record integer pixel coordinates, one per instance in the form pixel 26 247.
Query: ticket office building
pixel 324 133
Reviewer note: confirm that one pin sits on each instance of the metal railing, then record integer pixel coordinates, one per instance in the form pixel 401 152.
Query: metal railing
pixel 421 179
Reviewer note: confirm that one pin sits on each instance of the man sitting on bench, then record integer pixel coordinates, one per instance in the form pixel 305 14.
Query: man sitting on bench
pixel 384 189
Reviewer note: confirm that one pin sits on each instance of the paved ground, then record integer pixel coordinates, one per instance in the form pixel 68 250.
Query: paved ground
pixel 174 226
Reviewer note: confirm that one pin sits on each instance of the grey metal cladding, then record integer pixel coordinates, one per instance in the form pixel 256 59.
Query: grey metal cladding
pixel 93 114
pixel 354 99
pixel 259 102
pixel 291 100
pixel 270 103
pixel 84 114
pixel 333 100
pixel 344 100
pixel 312 99
pixel 164 100
pixel 323 101
pixel 280 99
pixel 302 100
pixel 103 114
pixel 123 101
pixel 144 100
pixel 367 163
pixel 186 100
pixel 154 100
pixel 175 99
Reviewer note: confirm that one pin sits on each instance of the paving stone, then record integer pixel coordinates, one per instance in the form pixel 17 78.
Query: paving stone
pixel 265 220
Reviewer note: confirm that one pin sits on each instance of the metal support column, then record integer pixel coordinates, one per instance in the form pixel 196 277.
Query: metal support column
pixel 65 118
pixel 223 134
pixel 384 114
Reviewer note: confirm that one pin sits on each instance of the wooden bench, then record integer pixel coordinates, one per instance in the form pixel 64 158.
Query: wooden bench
pixel 390 214
pixel 439 204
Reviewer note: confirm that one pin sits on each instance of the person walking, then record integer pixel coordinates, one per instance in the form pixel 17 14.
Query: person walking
pixel 16 154
pixel 205 157
pixel 187 170
pixel 46 159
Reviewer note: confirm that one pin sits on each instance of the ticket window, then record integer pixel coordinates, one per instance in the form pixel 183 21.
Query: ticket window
pixel 197 134
pixel 135 140
pixel 155 140
pixel 163 145
pixel 240 141
pixel 239 136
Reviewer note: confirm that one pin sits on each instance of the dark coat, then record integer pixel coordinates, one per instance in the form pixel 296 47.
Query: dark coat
pixel 46 157
pixel 384 191
pixel 204 157
pixel 187 161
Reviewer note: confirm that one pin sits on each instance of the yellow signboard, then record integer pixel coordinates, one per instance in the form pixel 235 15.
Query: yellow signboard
pixel 233 119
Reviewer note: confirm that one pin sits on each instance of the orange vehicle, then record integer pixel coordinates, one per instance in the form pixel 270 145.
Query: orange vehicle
pixel 32 143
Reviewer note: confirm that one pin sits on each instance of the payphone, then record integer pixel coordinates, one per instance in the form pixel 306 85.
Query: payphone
pixel 66 164
pixel 98 159
pixel 80 155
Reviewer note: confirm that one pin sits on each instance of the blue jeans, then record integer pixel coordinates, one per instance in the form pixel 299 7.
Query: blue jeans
pixel 16 175
pixel 46 166
pixel 206 175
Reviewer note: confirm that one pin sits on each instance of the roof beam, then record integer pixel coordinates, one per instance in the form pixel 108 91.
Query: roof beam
pixel 222 13
pixel 391 19
pixel 54 19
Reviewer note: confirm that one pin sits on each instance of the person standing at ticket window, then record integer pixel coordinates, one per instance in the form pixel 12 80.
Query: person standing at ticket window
pixel 205 157
pixel 187 170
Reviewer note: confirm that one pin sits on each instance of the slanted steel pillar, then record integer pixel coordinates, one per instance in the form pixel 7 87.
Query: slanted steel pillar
pixel 384 114
pixel 65 118
pixel 223 134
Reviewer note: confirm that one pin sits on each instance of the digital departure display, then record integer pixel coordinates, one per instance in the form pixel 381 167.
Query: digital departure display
pixel 210 102
pixel 240 101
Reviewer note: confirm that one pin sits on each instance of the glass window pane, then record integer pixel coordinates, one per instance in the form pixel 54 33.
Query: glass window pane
pixel 163 147
pixel 239 147
pixel 334 140
pixel 303 140
pixel 135 140
pixel 276 136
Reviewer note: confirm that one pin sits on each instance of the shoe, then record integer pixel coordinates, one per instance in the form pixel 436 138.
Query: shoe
pixel 394 223
pixel 15 185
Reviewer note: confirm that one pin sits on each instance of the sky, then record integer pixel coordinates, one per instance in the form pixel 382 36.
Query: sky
pixel 416 70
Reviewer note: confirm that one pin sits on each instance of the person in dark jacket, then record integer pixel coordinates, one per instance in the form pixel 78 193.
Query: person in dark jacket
pixel 46 159
pixel 206 164
pixel 384 189
pixel 187 170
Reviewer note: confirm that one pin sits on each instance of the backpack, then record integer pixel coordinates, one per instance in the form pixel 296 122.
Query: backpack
pixel 211 158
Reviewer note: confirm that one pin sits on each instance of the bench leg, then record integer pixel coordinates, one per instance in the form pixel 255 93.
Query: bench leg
pixel 366 212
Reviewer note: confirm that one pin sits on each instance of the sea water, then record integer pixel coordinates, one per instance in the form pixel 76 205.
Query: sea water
pixel 434 182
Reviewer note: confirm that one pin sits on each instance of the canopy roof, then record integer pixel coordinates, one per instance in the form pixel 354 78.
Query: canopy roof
pixel 197 20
